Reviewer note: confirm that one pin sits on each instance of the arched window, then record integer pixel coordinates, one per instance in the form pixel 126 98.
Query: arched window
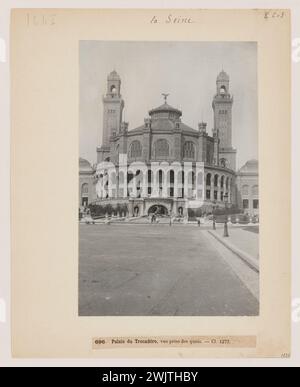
pixel 227 183
pixel 255 190
pixel 150 179
pixel 245 190
pixel 171 176
pixel 135 149
pixel 223 89
pixel 84 194
pixel 208 179
pixel 161 148
pixel 189 150
pixel 180 180
pixel 84 189
pixel 222 181
pixel 191 178
pixel 160 177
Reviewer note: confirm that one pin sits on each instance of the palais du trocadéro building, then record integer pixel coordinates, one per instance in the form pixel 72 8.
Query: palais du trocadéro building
pixel 155 154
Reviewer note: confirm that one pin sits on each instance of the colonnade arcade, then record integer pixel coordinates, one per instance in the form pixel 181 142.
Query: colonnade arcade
pixel 217 185
pixel 164 181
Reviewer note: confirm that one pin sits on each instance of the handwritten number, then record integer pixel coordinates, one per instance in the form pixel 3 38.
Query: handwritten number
pixel 274 15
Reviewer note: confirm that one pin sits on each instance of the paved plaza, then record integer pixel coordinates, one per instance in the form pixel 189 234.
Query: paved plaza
pixel 244 238
pixel 157 270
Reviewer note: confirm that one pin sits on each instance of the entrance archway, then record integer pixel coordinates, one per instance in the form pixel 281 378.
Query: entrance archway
pixel 158 209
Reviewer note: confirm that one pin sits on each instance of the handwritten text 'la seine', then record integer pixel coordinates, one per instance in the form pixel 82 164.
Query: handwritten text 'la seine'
pixel 170 19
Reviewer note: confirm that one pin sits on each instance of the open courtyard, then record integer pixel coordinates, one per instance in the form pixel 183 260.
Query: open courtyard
pixel 157 270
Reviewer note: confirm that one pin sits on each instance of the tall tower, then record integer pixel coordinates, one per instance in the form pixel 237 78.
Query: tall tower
pixel 113 105
pixel 222 106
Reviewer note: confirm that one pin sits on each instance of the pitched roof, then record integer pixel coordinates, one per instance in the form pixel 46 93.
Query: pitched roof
pixel 251 166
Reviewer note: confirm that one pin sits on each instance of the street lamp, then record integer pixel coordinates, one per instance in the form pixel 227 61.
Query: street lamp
pixel 226 216
pixel 214 217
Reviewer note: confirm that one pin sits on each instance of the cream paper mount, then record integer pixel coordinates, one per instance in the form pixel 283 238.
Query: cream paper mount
pixel 45 116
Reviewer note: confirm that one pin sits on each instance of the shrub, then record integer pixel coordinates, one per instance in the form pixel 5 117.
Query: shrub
pixel 108 209
pixel 96 210
pixel 233 218
pixel 244 219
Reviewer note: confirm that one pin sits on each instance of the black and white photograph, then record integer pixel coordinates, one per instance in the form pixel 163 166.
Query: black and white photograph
pixel 168 179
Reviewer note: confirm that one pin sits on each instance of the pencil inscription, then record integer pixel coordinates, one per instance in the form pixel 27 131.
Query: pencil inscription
pixel 274 14
pixel 171 19
pixel 40 20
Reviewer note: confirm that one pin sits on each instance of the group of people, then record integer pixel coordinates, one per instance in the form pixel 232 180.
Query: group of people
pixel 83 212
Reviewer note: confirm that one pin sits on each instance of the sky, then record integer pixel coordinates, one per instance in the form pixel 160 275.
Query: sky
pixel 185 70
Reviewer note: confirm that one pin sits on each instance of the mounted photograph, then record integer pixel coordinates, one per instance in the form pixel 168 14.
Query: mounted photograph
pixel 168 203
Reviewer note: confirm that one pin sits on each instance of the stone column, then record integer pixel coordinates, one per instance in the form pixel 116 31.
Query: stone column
pixel 133 186
pixel 176 183
pixel 130 208
pixel 147 140
pixel 177 143
pixel 155 183
pixel 250 201
pixel 212 187
pixel 144 192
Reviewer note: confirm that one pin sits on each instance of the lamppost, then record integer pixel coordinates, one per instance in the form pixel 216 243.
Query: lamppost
pixel 214 217
pixel 226 216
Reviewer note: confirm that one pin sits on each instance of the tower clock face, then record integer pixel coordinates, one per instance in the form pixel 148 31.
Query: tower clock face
pixel 113 89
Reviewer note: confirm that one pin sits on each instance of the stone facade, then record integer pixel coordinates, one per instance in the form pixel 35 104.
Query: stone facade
pixel 222 107
pixel 86 183
pixel 247 188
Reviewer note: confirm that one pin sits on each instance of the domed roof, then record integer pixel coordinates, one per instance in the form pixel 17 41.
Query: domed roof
pixel 223 76
pixel 113 76
pixel 251 166
pixel 165 108
pixel 84 165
